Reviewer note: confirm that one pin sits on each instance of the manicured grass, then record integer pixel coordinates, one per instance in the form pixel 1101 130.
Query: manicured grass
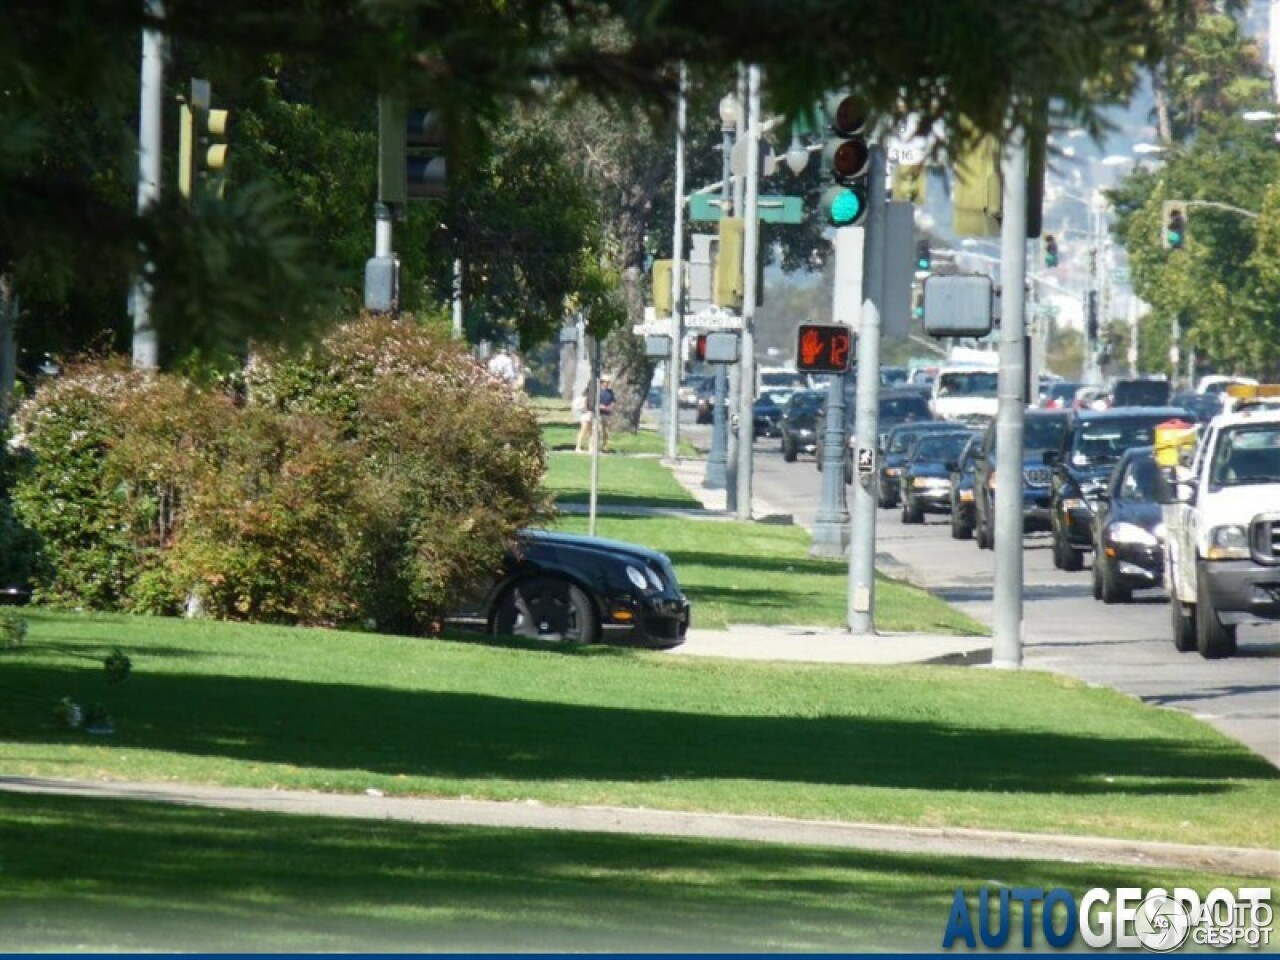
pixel 934 746
pixel 760 573
pixel 109 875
pixel 624 481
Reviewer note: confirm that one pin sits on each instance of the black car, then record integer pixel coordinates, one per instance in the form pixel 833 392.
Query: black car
pixel 1042 432
pixel 766 414
pixel 1092 445
pixel 576 589
pixel 925 484
pixel 893 455
pixel 798 425
pixel 1128 530
pixel 962 472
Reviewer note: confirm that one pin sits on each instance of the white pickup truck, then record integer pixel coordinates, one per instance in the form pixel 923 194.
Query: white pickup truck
pixel 1222 532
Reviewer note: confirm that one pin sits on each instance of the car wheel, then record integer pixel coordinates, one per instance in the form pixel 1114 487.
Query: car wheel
pixel 1184 626
pixel 1111 591
pixel 1066 557
pixel 912 512
pixel 959 529
pixel 1214 638
pixel 788 451
pixel 1097 575
pixel 547 608
pixel 983 535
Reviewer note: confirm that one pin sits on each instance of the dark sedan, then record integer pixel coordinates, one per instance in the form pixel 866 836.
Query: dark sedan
pixel 1091 447
pixel 925 484
pixel 766 414
pixel 962 489
pixel 1042 431
pixel 576 589
pixel 1128 530
pixel 798 425
pixel 893 454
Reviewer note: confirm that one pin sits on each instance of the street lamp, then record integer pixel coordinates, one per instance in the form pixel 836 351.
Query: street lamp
pixel 715 477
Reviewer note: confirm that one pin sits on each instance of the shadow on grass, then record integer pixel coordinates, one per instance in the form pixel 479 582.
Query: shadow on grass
pixel 439 734
pixel 606 500
pixel 179 878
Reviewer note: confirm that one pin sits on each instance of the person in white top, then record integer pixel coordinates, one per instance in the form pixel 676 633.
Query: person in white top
pixel 503 366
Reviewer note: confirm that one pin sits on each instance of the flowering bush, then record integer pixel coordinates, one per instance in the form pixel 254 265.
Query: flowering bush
pixel 374 477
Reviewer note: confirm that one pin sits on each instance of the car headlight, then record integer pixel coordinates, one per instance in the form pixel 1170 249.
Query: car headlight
pixel 891 471
pixel 637 578
pixel 1074 503
pixel 1130 533
pixel 966 496
pixel 1229 542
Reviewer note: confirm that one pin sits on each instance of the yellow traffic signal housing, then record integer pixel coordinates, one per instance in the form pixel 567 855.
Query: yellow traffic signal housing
pixel 662 301
pixel 977 199
pixel 729 285
pixel 202 140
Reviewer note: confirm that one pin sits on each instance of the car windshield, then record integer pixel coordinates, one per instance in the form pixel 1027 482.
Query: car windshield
pixel 1139 481
pixel 1039 434
pixel 901 440
pixel 971 383
pixel 1247 454
pixel 940 447
pixel 903 408
pixel 806 402
pixel 1105 441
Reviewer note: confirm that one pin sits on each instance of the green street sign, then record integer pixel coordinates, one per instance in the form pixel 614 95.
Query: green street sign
pixel 773 209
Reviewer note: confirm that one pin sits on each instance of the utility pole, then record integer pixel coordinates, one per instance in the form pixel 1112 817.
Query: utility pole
pixel 1011 408
pixel 750 257
pixel 863 504
pixel 732 460
pixel 715 477
pixel 672 382
pixel 146 351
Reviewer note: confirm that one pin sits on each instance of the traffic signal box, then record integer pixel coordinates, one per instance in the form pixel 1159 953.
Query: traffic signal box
pixel 924 258
pixel 411 152
pixel 203 151
pixel 824 348
pixel 1174 230
pixel 847 159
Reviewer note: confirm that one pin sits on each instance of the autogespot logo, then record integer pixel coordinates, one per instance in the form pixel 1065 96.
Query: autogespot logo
pixel 1126 918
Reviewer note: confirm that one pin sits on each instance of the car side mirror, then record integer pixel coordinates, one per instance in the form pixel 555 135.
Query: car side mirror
pixel 1052 458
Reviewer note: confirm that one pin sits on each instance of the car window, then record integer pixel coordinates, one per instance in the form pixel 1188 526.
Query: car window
pixel 903 408
pixel 902 440
pixel 1140 393
pixel 942 446
pixel 1247 454
pixel 972 383
pixel 1139 481
pixel 1106 440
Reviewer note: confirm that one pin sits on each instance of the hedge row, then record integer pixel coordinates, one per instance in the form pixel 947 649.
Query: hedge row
pixel 370 480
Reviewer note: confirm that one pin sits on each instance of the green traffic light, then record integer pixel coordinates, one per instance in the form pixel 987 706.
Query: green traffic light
pixel 844 206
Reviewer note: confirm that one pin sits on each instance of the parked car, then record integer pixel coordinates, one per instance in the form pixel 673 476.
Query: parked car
pixel 1042 432
pixel 1128 530
pixel 962 481
pixel 577 589
pixel 799 422
pixel 893 455
pixel 766 414
pixel 1092 445
pixel 925 483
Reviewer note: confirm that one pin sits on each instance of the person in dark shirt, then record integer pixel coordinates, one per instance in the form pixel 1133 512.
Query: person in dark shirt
pixel 606 411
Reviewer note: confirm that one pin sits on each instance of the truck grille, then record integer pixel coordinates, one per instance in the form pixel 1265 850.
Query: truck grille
pixel 1264 539
pixel 1036 477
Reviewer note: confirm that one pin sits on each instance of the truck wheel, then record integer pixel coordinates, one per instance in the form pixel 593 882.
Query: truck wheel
pixel 1184 625
pixel 1214 638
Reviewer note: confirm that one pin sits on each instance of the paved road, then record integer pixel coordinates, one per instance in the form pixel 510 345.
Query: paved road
pixel 1123 646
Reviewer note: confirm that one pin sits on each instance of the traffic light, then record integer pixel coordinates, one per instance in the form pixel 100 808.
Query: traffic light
pixel 824 348
pixel 923 257
pixel 411 145
pixel 202 141
pixel 662 271
pixel 847 157
pixel 1050 250
pixel 1175 225
pixel 719 347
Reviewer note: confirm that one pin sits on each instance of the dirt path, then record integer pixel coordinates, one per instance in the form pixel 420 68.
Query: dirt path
pixel 992 844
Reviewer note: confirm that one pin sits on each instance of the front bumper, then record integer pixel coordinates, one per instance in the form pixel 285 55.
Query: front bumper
pixel 654 622
pixel 1137 566
pixel 1243 591
pixel 932 499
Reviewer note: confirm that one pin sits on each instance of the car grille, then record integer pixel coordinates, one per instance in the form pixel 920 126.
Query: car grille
pixel 1264 539
pixel 1036 477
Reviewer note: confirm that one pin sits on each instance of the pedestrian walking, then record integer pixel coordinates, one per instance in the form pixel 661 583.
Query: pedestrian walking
pixel 606 411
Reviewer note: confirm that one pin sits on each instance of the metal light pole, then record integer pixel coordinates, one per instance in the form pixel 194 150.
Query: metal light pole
pixel 1010 411
pixel 863 503
pixel 146 349
pixel 732 461
pixel 714 478
pixel 672 383
pixel 750 257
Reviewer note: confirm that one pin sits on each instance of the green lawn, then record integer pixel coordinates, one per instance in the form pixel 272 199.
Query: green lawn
pixel 933 746
pixel 108 875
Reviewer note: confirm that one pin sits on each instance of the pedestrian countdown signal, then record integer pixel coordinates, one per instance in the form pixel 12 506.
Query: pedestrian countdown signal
pixel 824 348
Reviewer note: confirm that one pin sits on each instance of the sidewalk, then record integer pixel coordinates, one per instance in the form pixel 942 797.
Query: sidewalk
pixel 812 644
